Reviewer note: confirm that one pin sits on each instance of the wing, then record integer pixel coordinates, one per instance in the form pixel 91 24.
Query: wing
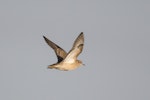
pixel 76 49
pixel 60 53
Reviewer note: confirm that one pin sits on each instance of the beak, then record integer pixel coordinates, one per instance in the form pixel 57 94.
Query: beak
pixel 83 64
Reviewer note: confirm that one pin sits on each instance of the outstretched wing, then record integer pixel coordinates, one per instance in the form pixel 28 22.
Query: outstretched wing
pixel 60 53
pixel 76 49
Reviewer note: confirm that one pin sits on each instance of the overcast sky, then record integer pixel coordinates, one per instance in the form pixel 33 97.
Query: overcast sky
pixel 116 51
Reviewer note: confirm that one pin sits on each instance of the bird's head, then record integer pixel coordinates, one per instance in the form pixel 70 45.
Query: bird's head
pixel 80 63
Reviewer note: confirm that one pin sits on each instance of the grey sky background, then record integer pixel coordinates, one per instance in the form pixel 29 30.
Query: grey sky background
pixel 116 52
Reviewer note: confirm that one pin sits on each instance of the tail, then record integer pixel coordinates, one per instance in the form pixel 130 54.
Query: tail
pixel 50 67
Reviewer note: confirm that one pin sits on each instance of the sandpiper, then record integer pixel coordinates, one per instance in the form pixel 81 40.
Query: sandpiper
pixel 67 61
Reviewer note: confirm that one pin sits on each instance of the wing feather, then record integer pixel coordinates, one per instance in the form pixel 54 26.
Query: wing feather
pixel 60 53
pixel 76 49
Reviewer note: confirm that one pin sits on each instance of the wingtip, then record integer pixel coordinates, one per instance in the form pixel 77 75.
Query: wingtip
pixel 81 34
pixel 43 36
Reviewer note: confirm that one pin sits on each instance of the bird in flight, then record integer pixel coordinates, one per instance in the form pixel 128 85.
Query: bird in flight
pixel 67 61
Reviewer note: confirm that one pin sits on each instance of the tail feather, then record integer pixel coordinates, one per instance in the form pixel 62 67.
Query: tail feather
pixel 50 67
